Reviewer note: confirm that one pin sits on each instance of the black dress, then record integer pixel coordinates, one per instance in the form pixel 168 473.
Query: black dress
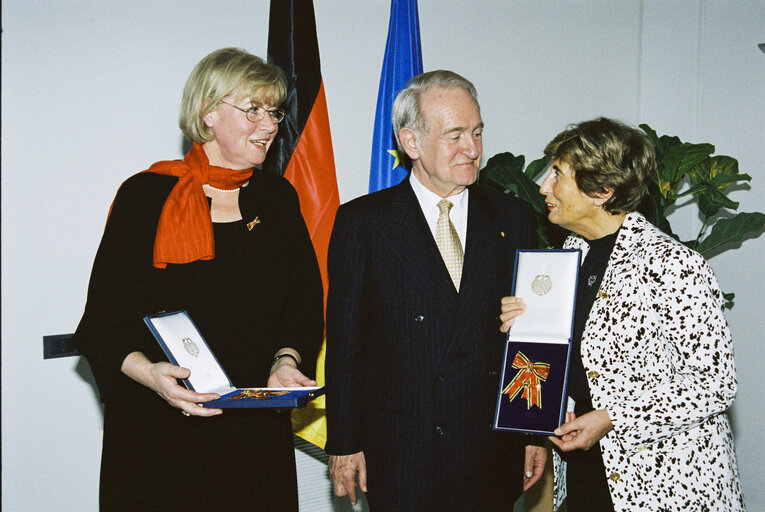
pixel 261 292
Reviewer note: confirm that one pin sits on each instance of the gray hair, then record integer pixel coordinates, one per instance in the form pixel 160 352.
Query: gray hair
pixel 407 105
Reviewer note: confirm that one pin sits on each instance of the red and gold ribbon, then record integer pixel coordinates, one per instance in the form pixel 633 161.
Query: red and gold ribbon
pixel 528 379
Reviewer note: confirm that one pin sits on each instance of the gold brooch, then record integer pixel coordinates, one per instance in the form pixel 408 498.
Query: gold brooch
pixel 254 222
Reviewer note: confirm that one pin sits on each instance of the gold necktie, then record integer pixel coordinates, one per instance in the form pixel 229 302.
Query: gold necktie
pixel 449 243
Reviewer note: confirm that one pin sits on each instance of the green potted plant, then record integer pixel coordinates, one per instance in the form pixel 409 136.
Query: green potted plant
pixel 683 170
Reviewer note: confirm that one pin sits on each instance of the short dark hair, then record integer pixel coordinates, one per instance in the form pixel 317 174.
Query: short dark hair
pixel 607 154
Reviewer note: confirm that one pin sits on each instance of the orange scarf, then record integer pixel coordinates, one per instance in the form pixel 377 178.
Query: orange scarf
pixel 185 231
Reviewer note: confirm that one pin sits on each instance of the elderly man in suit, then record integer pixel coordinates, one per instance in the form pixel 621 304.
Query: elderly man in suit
pixel 413 341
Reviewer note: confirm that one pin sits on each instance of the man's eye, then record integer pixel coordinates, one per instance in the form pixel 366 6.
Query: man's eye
pixel 478 135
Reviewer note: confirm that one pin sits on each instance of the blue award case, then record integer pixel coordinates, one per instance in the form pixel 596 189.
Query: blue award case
pixel 532 392
pixel 184 346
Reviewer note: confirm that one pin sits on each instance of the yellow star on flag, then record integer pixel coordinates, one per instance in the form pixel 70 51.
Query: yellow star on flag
pixel 395 155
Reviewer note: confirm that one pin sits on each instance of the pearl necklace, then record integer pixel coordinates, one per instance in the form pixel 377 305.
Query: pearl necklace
pixel 210 187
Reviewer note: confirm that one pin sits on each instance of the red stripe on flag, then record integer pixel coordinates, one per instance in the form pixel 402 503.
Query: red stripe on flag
pixel 311 170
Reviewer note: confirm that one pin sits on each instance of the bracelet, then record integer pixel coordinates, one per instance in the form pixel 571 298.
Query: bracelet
pixel 286 354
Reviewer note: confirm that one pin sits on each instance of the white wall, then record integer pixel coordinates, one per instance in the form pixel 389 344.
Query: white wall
pixel 90 92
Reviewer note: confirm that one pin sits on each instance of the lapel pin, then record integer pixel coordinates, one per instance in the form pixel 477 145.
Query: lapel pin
pixel 602 294
pixel 254 222
pixel 502 234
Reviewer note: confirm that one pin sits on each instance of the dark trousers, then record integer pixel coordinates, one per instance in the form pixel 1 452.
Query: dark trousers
pixel 586 484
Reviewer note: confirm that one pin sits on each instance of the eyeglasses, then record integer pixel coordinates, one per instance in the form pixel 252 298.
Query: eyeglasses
pixel 255 114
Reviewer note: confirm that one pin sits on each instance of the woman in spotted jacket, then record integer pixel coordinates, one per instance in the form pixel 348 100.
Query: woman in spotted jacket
pixel 652 371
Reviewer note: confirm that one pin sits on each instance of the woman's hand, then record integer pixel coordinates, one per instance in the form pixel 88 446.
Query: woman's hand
pixel 533 465
pixel 284 372
pixel 286 375
pixel 582 432
pixel 162 379
pixel 512 307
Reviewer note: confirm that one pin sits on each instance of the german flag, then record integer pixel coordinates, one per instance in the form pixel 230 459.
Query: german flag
pixel 303 154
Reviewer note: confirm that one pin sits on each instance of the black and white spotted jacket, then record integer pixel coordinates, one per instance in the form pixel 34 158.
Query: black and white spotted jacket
pixel 658 356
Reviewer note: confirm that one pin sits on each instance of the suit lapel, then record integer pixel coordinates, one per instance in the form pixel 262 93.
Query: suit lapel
pixel 407 233
pixel 484 253
pixel 483 240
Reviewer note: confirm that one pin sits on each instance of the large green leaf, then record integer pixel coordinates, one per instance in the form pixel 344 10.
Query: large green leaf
pixel 721 181
pixel 711 199
pixel 661 144
pixel 506 170
pixel 716 168
pixel 678 161
pixel 537 167
pixel 732 230
pixel 667 142
pixel 653 207
pixel 492 174
pixel 507 159
pixel 651 135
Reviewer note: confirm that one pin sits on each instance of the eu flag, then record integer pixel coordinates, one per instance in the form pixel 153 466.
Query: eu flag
pixel 403 60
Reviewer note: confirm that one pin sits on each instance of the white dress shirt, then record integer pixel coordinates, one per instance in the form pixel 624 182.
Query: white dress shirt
pixel 429 203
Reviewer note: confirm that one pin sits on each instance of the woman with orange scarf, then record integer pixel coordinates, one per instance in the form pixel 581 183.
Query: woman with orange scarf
pixel 224 240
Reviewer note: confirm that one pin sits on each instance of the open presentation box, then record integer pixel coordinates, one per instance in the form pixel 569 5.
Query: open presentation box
pixel 532 391
pixel 184 346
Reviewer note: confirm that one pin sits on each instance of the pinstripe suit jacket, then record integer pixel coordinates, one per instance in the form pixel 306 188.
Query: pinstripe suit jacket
pixel 412 366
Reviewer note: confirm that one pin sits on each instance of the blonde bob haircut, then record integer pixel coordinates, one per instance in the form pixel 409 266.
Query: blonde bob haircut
pixel 607 154
pixel 219 74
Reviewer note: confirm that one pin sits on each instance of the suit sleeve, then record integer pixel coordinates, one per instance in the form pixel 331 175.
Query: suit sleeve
pixel 532 240
pixel 345 335
pixel 684 299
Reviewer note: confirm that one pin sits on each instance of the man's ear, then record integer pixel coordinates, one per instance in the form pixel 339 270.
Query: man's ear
pixel 601 198
pixel 408 139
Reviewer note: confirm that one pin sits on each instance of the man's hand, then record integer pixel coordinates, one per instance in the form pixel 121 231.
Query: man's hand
pixel 582 432
pixel 342 472
pixel 511 308
pixel 533 465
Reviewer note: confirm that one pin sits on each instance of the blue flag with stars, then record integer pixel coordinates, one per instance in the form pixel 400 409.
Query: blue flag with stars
pixel 403 60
